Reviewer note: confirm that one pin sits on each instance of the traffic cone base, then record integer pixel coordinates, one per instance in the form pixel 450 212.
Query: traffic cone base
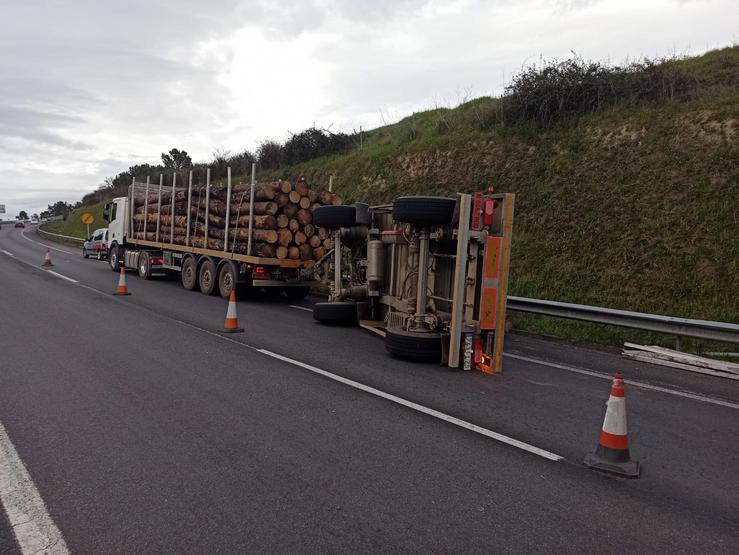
pixel 612 453
pixel 122 289
pixel 231 324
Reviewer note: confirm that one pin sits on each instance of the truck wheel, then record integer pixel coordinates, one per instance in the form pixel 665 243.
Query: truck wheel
pixel 412 345
pixel 85 254
pixel 297 293
pixel 100 254
pixel 207 278
pixel 335 216
pixel 335 313
pixel 113 259
pixel 227 280
pixel 424 210
pixel 144 266
pixel 189 274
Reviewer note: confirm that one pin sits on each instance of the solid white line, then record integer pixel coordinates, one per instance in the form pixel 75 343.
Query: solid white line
pixel 61 276
pixel 34 529
pixel 301 307
pixel 641 385
pixel 420 408
pixel 23 234
pixel 8 253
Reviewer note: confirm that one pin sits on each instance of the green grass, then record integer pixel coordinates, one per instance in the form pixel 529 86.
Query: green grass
pixel 634 207
pixel 73 225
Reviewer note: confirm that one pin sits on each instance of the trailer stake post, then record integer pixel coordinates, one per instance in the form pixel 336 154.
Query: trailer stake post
pixel 251 206
pixel 228 208
pixel 207 205
pixel 171 223
pixel 159 205
pixel 189 207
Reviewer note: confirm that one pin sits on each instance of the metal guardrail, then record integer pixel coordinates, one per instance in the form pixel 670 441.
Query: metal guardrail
pixel 685 327
pixel 43 232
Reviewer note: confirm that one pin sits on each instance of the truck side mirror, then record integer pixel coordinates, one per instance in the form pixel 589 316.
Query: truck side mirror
pixel 106 212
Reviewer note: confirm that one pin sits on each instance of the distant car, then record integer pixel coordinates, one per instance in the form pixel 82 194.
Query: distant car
pixel 19 224
pixel 96 245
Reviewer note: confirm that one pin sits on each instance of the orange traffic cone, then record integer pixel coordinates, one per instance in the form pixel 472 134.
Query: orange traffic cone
pixel 122 289
pixel 47 258
pixel 612 452
pixel 231 325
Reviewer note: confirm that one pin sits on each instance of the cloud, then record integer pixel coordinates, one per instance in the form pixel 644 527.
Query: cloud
pixel 88 88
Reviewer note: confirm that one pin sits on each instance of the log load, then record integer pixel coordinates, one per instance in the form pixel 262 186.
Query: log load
pixel 281 219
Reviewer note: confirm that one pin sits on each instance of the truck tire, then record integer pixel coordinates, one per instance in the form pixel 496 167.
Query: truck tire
pixel 85 254
pixel 100 254
pixel 207 278
pixel 424 210
pixel 227 279
pixel 335 313
pixel 413 345
pixel 189 274
pixel 144 266
pixel 297 293
pixel 114 258
pixel 334 217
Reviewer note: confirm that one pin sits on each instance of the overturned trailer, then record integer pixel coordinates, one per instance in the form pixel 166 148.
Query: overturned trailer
pixel 428 273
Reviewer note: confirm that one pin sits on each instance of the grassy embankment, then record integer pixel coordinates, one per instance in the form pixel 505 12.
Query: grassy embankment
pixel 73 226
pixel 634 207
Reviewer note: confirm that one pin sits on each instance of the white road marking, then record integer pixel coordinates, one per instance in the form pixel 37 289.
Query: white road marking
pixel 23 234
pixel 8 253
pixel 34 529
pixel 61 276
pixel 420 408
pixel 300 307
pixel 641 385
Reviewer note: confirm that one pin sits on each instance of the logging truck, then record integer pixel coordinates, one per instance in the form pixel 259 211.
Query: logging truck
pixel 429 274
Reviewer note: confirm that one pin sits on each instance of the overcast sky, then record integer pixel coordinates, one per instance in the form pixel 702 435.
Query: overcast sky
pixel 90 87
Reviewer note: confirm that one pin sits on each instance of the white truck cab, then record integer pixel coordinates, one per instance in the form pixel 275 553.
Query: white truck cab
pixel 115 213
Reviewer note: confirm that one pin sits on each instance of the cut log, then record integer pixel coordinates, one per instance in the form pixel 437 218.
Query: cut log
pixel 281 252
pixel 282 221
pixel 260 222
pixel 260 208
pixel 293 252
pixel 322 233
pixel 336 201
pixel 261 235
pixel 282 199
pixel 285 187
pixel 319 252
pixel 293 225
pixel 305 217
pixel 299 238
pixel 325 197
pixel 306 252
pixel 314 241
pixel 309 230
pixel 290 210
pixel 315 205
pixel 328 244
pixel 313 196
pixel 304 202
pixel 294 197
pixel 301 187
pixel 284 237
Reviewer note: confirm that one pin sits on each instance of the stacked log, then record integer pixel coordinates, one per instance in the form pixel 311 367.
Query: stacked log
pixel 281 219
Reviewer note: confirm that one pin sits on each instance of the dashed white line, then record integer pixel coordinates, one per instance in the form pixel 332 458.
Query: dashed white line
pixel 301 307
pixel 8 253
pixel 420 408
pixel 34 529
pixel 61 276
pixel 641 385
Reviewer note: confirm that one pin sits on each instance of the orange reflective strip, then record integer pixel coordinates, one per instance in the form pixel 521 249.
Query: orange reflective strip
pixel 613 441
pixel 617 391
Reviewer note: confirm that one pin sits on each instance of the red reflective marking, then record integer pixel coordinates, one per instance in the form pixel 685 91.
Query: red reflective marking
pixel 613 441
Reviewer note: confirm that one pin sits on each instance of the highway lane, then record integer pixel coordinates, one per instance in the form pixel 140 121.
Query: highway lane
pixel 686 485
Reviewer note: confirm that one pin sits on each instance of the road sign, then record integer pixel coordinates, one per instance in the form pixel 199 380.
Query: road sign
pixel 87 218
pixel 2 209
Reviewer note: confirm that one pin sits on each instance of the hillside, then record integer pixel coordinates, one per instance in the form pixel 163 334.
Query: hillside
pixel 73 225
pixel 632 207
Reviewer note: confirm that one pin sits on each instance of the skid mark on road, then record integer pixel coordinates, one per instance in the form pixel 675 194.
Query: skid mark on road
pixel 34 529
pixel 642 385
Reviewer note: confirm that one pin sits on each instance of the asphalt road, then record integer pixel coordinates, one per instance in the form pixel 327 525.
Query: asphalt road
pixel 144 430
